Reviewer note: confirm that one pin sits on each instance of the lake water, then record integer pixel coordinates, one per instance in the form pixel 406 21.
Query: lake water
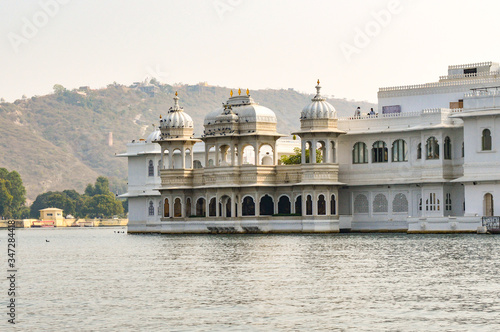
pixel 101 280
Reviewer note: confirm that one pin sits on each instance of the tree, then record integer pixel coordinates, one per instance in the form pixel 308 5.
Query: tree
pixel 12 194
pixel 59 89
pixel 52 199
pixel 103 206
pixel 296 158
pixel 101 187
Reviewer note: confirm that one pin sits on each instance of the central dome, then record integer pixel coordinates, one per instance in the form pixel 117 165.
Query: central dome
pixel 319 108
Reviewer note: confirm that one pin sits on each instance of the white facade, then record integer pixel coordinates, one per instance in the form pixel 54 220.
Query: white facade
pixel 427 162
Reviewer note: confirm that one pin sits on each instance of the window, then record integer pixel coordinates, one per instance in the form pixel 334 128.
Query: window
pixel 470 71
pixel 361 204
pixel 321 205
pixel 379 152
pixel 486 140
pixel 419 151
pixel 447 148
pixel 159 208
pixel 151 169
pixel 400 203
pixel 380 203
pixel 399 151
pixel 360 153
pixel 447 202
pixel 159 167
pixel 463 149
pixel 432 204
pixel 309 205
pixel 432 148
pixel 151 209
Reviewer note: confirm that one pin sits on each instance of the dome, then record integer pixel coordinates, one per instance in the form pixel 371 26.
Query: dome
pixel 245 108
pixel 319 108
pixel 154 136
pixel 176 118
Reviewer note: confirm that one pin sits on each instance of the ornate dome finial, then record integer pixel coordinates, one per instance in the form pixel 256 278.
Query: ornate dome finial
pixel 231 93
pixel 239 92
pixel 318 94
pixel 248 92
pixel 318 81
pixel 176 102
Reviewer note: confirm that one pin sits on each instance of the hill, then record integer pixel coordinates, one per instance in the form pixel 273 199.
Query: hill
pixel 60 141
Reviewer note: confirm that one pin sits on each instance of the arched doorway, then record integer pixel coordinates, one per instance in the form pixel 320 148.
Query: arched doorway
pixel 284 206
pixel 321 205
pixel 212 209
pixel 333 206
pixel 166 208
pixel 200 207
pixel 488 205
pixel 266 206
pixel 177 208
pixel 188 207
pixel 309 205
pixel 248 206
pixel 298 205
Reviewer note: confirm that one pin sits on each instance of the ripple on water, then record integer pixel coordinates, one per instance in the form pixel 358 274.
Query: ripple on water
pixel 96 279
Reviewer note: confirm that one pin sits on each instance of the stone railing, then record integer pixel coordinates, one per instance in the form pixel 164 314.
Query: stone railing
pixel 440 84
pixel 480 74
pixel 402 115
pixel 471 65
pixel 483 92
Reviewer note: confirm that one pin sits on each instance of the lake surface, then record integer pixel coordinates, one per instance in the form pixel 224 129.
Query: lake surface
pixel 96 279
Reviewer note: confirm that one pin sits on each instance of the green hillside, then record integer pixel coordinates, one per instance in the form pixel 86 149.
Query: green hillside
pixel 60 141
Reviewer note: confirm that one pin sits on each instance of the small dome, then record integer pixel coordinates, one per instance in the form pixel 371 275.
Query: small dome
pixel 176 118
pixel 154 136
pixel 319 108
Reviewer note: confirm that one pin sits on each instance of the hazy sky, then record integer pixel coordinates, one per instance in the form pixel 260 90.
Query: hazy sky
pixel 353 47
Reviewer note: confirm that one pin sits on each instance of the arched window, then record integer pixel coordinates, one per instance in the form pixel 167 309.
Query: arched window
pixel 361 204
pixel 212 209
pixel 432 148
pixel 166 208
pixel 266 206
pixel 379 152
pixel 298 205
pixel 200 207
pixel 400 203
pixel 151 168
pixel 333 205
pixel 197 164
pixel 284 205
pixel 486 140
pixel 321 205
pixel 177 208
pixel 151 209
pixel 309 205
pixel 432 203
pixel 248 206
pixel 380 204
pixel 399 151
pixel 447 148
pixel 360 153
pixel 419 151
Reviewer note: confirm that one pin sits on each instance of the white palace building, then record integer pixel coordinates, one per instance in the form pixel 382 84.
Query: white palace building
pixel 427 162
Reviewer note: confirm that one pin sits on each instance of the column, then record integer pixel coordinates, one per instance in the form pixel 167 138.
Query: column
pixel 171 206
pixel 217 210
pixel 275 152
pixel 240 154
pixel 312 154
pixel 191 154
pixel 256 149
pixel 183 157
pixel 207 149
pixel 162 156
pixel 326 150
pixel 303 151
pixel 233 156
pixel 217 155
pixel 257 205
pixel 170 159
pixel 207 204
pixel 304 206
